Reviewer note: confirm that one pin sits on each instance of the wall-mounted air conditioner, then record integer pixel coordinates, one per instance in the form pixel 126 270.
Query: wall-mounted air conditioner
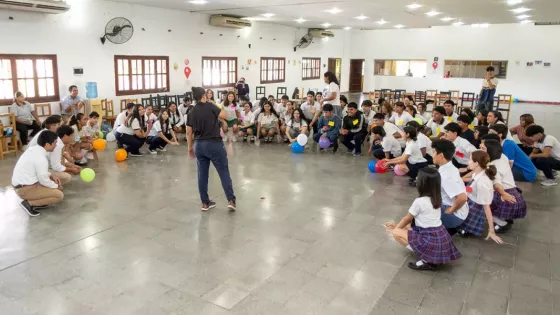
pixel 315 32
pixel 43 6
pixel 228 21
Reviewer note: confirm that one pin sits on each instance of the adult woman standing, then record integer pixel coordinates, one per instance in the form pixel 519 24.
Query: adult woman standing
pixel 332 93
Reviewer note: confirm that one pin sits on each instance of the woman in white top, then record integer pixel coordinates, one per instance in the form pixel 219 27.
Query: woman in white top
pixel 390 147
pixel 149 115
pixel 421 108
pixel 508 203
pixel 161 133
pixel 131 133
pixel 480 193
pixel 412 157
pixel 495 117
pixel 175 118
pixel 232 119
pixel 247 127
pixel 81 148
pixel 424 143
pixel 285 117
pixel 296 126
pixel 386 109
pixel 267 122
pixel 400 118
pixel 411 110
pixel 421 230
pixel 332 93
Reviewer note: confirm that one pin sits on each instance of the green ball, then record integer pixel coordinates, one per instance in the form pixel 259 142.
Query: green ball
pixel 87 175
pixel 418 120
pixel 101 135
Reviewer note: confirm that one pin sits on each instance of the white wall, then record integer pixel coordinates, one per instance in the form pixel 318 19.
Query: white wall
pixel 512 42
pixel 74 37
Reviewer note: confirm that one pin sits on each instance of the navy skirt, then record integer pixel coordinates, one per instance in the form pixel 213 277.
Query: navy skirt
pixel 474 223
pixel 509 211
pixel 433 245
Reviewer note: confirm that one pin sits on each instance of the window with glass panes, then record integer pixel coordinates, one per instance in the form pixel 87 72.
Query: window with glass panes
pixel 310 68
pixel 273 70
pixel 141 74
pixel 36 76
pixel 219 72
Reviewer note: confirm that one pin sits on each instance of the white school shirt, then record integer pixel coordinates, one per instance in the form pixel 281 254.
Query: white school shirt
pixel 463 150
pixel 414 153
pixel 231 112
pixel 152 117
pixel 92 132
pixel 422 118
pixel 33 141
pixel 247 118
pixel 267 120
pixel 175 119
pixel 33 167
pixel 482 189
pixel 294 124
pixel 437 128
pixel 306 109
pixel 78 134
pixel 55 157
pixel 426 117
pixel 504 176
pixel 135 125
pixel 280 109
pixel 486 85
pixel 424 142
pixel 452 118
pixel 552 142
pixel 400 120
pixel 120 119
pixel 368 117
pixel 157 128
pixel 425 216
pixel 390 144
pixel 451 186
pixel 508 136
pixel 330 89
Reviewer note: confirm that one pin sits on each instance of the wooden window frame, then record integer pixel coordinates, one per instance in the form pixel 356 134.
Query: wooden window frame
pixel 129 59
pixel 392 69
pixel 229 84
pixel 313 69
pixel 281 69
pixel 36 99
pixel 494 63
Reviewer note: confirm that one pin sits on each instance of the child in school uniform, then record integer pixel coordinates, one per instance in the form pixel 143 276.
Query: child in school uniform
pixel 247 127
pixel 437 123
pixel 412 157
pixel 81 148
pixel 424 143
pixel 421 230
pixel 421 108
pixel 450 114
pixel 91 131
pixel 133 132
pixel 232 119
pixel 295 126
pixel 267 122
pixel 149 115
pixel 175 118
pixel 368 113
pixel 463 148
pixel 388 149
pixel 467 133
pixel 508 203
pixel 546 153
pixel 480 193
pixel 328 126
pixel 400 117
pixel 161 134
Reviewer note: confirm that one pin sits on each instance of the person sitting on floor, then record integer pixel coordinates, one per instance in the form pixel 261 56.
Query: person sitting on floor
pixel 463 148
pixel 354 129
pixel 81 149
pixel 26 119
pixel 268 122
pixel 424 143
pixel 412 159
pixel 527 143
pixel 390 129
pixel 329 127
pixel 312 111
pixel 51 123
pixel 121 117
pixel 368 113
pixel 59 160
pixel 247 127
pixel 400 117
pixel 131 133
pixel 421 230
pixel 31 179
pixel 437 124
pixel 161 133
pixel 546 154
pixel 296 126
pixel 464 122
pixel 450 114
pixel 386 146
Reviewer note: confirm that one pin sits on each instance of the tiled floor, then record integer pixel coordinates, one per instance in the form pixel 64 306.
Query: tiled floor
pixel 306 239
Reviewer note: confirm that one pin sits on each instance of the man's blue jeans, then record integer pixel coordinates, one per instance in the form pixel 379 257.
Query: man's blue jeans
pixel 207 151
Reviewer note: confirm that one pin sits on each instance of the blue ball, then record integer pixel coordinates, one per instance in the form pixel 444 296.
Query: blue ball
pixel 516 100
pixel 371 166
pixel 297 148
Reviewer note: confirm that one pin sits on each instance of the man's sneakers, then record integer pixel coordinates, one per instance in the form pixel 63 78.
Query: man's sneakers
pixel 138 154
pixel 161 149
pixel 208 206
pixel 152 152
pixel 549 182
pixel 231 205
pixel 31 210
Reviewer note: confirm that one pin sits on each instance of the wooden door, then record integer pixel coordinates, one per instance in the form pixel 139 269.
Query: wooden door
pixel 335 65
pixel 356 75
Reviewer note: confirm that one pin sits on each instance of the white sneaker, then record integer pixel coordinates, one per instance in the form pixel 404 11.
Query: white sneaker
pixel 234 138
pixel 89 156
pixel 152 151
pixel 160 149
pixel 83 160
pixel 549 182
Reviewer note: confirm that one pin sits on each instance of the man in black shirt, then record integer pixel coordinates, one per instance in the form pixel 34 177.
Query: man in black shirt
pixel 464 121
pixel 354 128
pixel 203 123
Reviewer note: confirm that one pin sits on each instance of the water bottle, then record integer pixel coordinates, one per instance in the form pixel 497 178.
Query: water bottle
pixel 91 88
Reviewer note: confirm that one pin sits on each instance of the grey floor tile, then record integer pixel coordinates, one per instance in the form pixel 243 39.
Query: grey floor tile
pixel 441 303
pixel 386 306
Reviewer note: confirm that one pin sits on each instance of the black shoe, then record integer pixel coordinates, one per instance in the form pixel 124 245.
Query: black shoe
pixel 412 183
pixel 462 233
pixel 231 205
pixel 501 229
pixel 41 207
pixel 335 148
pixel 29 209
pixel 423 266
pixel 208 206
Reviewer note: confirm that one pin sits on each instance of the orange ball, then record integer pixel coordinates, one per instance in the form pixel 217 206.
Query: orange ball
pixel 99 144
pixel 120 155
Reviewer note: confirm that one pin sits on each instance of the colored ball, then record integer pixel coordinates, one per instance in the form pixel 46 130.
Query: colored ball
pixel 516 100
pixel 401 170
pixel 101 135
pixel 99 144
pixel 111 137
pixel 87 175
pixel 120 155
pixel 418 120
pixel 371 166
pixel 297 148
pixel 302 139
pixel 324 142
pixel 380 167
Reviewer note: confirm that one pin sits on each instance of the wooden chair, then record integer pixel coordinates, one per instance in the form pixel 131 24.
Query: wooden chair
pixel 420 96
pixel 441 98
pixel 108 111
pixel 504 105
pixel 260 91
pixel 221 95
pixel 374 96
pixel 281 91
pixel 399 94
pixel 455 96
pixel 43 110
pixel 388 96
pixel 467 101
pixel 5 146
pixel 124 102
pixel 431 95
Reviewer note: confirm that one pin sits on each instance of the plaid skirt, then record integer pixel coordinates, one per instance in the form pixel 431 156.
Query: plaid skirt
pixel 509 211
pixel 474 223
pixel 433 245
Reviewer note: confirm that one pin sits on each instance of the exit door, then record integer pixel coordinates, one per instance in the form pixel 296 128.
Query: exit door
pixel 356 75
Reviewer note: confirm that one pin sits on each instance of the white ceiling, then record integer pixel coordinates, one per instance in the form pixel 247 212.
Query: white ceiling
pixel 393 11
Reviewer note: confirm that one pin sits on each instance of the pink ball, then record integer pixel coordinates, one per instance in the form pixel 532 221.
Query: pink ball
pixel 400 170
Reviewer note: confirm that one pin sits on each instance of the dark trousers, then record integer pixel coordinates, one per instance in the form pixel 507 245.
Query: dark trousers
pixel 379 154
pixel 547 165
pixel 429 158
pixel 157 142
pixel 133 143
pixel 207 151
pixel 413 169
pixel 358 138
pixel 24 129
pixel 527 150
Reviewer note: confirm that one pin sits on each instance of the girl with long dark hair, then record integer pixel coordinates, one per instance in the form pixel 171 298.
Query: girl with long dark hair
pixel 132 133
pixel 161 133
pixel 81 148
pixel 412 160
pixel 332 93
pixel 267 122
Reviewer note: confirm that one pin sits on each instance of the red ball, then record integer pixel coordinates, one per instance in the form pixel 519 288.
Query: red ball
pixel 380 167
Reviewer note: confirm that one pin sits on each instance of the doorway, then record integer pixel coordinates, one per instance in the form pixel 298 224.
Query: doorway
pixel 335 66
pixel 356 75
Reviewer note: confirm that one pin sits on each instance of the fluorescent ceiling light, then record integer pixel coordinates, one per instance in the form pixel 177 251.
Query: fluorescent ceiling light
pixel 432 13
pixel 254 18
pixel 399 26
pixel 334 11
pixel 459 23
pixel 267 15
pixel 414 6
pixel 301 20
pixel 326 24
pixel 361 17
pixel 381 22
pixel 520 10
pixel 523 16
pixel 526 22
pixel 347 28
pixel 198 2
pixel 447 19
pixel 514 2
pixel 480 25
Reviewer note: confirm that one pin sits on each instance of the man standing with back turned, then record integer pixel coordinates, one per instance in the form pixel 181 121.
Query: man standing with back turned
pixel 203 123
